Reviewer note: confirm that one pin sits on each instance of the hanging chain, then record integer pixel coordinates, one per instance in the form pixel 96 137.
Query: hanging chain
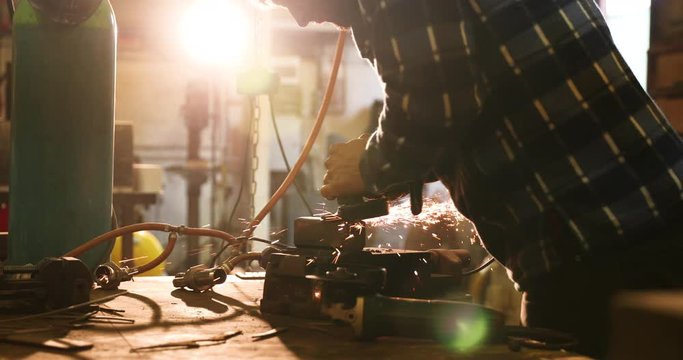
pixel 256 113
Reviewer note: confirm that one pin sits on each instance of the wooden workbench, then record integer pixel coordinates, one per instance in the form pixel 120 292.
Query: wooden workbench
pixel 164 314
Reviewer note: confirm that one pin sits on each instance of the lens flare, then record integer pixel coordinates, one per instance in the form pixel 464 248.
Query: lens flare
pixel 463 332
pixel 470 335
pixel 216 32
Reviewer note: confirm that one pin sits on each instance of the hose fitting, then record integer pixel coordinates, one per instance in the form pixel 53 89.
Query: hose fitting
pixel 110 275
pixel 200 278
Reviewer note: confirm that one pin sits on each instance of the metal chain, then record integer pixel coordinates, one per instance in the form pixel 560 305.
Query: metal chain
pixel 254 154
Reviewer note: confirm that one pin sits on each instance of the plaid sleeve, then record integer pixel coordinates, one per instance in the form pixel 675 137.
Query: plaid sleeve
pixel 423 51
pixel 589 163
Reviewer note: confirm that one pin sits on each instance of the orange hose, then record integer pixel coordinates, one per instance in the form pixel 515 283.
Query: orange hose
pixel 113 234
pixel 172 238
pixel 309 142
pixel 151 226
pixel 232 262
pixel 208 232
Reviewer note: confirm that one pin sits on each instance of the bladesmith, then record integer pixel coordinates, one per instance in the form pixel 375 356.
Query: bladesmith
pixel 530 116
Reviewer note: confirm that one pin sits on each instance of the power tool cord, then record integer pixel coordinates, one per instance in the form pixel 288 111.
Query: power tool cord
pixel 284 155
pixel 243 180
pixel 479 268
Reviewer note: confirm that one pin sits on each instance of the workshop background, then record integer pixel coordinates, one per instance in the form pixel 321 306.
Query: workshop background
pixel 190 149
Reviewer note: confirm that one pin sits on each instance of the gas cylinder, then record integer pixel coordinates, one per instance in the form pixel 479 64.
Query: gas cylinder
pixel 62 128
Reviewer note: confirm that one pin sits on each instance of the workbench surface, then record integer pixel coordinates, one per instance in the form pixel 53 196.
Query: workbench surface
pixel 163 314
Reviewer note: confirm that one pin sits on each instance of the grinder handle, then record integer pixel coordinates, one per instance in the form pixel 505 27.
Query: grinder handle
pixel 442 320
pixel 349 200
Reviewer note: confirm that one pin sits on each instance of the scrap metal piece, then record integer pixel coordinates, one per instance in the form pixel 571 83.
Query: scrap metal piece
pixel 63 310
pixel 268 334
pixel 111 319
pixel 251 275
pixel 190 344
pixel 107 310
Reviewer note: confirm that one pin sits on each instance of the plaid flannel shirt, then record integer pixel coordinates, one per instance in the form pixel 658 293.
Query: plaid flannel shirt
pixel 528 107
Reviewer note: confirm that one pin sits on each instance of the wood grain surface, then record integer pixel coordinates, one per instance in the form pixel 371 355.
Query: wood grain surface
pixel 164 314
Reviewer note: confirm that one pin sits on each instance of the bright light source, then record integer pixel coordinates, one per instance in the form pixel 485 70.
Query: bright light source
pixel 216 32
pixel 621 7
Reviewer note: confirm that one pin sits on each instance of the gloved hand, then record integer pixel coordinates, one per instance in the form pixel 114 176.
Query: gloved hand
pixel 342 177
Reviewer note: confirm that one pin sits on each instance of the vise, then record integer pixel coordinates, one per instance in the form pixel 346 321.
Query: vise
pixel 379 292
pixel 330 274
pixel 53 283
pixel 329 261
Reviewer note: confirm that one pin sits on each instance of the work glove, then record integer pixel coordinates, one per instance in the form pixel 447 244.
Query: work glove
pixel 343 178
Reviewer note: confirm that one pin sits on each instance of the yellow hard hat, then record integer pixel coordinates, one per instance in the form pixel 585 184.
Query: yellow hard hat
pixel 146 247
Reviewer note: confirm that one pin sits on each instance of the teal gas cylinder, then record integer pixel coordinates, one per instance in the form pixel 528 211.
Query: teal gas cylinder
pixel 62 128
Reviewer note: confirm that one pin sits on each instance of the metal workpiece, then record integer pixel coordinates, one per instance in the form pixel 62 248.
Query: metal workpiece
pixel 200 278
pixel 111 275
pixel 53 283
pixel 359 208
pixel 329 232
